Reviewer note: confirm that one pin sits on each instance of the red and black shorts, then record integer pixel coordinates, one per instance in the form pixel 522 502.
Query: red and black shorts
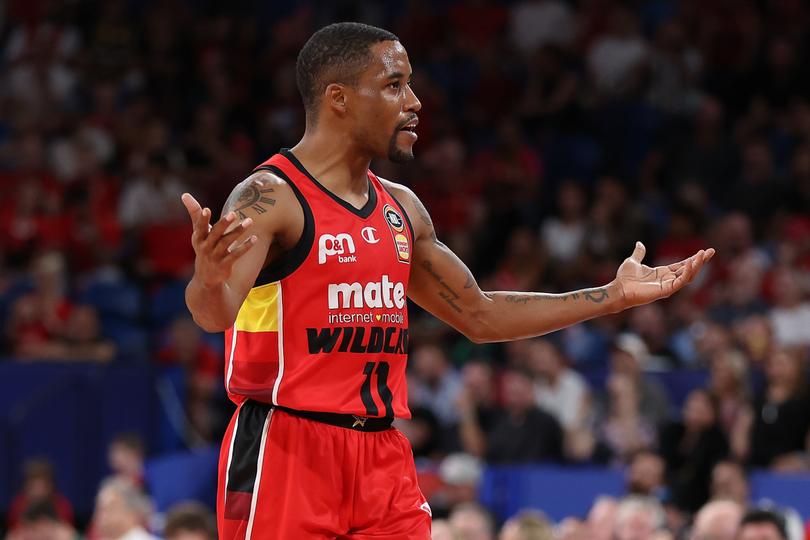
pixel 282 476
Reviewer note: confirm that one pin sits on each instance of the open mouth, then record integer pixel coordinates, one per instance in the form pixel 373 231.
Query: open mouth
pixel 410 126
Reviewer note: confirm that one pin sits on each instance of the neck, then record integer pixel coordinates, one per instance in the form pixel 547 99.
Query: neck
pixel 334 160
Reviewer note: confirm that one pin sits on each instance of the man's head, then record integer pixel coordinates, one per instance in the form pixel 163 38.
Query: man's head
pixel 717 520
pixel 190 521
pixel 120 507
pixel 545 359
pixel 518 390
pixel 637 518
pixel 762 525
pixel 472 522
pixel 645 473
pixel 356 77
pixel 126 455
pixel 729 482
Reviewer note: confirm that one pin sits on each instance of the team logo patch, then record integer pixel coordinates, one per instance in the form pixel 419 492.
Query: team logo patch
pixel 394 219
pixel 403 248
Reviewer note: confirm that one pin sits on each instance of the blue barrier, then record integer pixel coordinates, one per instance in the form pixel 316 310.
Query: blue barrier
pixel 183 476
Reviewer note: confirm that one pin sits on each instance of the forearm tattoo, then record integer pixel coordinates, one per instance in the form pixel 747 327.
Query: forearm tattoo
pixel 597 296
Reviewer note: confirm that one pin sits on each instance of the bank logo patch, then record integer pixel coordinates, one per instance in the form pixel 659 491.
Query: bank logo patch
pixel 341 245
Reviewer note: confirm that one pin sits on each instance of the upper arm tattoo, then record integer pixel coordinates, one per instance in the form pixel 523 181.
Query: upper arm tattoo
pixel 424 216
pixel 252 196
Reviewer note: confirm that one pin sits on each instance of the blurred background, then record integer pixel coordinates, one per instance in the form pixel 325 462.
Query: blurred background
pixel 553 135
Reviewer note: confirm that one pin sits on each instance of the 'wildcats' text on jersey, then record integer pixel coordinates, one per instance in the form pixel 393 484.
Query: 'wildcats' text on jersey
pixel 314 323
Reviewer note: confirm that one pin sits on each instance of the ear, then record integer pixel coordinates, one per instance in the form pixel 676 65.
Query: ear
pixel 336 98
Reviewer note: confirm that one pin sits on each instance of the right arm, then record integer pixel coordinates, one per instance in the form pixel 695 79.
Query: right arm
pixel 259 215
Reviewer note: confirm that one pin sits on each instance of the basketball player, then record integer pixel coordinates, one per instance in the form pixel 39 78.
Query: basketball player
pixel 308 271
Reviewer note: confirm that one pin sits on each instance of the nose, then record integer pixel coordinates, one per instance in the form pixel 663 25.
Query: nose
pixel 412 103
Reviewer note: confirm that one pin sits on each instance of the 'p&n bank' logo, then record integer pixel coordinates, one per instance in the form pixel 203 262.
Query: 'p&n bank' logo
pixel 331 245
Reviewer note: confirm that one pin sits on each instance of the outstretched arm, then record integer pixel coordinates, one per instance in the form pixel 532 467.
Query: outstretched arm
pixel 443 285
pixel 230 254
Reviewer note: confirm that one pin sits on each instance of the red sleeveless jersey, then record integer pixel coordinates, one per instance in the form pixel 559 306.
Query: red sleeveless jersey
pixel 326 328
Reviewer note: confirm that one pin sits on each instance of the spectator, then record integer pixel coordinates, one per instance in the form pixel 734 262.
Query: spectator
pixel 790 316
pixel 471 522
pixel 190 521
pixel 440 529
pixel 460 476
pixel 691 448
pixel 524 433
pixel 436 383
pixel 125 457
pixel 40 521
pixel 728 383
pixel 122 511
pixel 638 518
pixel 729 482
pixel 645 474
pixel 616 60
pixel 39 486
pixel 762 525
pixel 624 431
pixel 601 519
pixel 718 520
pixel 478 411
pixel 781 417
pixel 630 357
pixel 559 390
pixel 527 525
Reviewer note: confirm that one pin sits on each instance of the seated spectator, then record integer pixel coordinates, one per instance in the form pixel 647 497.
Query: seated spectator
pixel 524 433
pixel 728 384
pixel 203 372
pixel 623 430
pixel 190 521
pixel 630 357
pixel 471 521
pixel 781 414
pixel 460 476
pixel 762 525
pixel 122 511
pixel 527 525
pixel 125 457
pixel 440 529
pixel 81 340
pixel 729 482
pixel 39 485
pixel 645 474
pixel 40 521
pixel 718 520
pixel 563 393
pixel 691 447
pixel 601 519
pixel 638 518
pixel 790 316
pixel 436 383
pixel 478 411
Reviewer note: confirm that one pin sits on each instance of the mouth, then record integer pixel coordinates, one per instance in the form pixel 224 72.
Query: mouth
pixel 411 125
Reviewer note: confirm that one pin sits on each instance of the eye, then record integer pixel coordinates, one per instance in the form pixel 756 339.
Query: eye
pixel 395 85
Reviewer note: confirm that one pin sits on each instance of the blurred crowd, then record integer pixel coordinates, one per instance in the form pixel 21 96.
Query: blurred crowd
pixel 553 134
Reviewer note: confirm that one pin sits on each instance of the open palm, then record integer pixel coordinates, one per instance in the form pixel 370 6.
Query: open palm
pixel 642 284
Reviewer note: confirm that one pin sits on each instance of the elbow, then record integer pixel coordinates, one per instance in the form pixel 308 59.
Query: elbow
pixel 211 326
pixel 479 330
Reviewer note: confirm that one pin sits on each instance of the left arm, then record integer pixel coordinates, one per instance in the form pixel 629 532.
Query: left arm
pixel 443 285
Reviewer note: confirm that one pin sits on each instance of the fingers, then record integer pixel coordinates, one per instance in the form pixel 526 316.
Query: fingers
pixel 200 217
pixel 231 239
pixel 638 252
pixel 239 248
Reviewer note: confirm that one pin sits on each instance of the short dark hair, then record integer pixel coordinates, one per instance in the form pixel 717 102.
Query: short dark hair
pixel 39 510
pixel 759 515
pixel 190 517
pixel 131 441
pixel 335 53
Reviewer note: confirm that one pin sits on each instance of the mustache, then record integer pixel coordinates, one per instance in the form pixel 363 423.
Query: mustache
pixel 407 121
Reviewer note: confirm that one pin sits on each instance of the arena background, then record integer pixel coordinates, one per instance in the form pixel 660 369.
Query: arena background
pixel 552 135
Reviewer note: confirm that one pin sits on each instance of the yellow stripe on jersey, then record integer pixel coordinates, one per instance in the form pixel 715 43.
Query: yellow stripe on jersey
pixel 259 311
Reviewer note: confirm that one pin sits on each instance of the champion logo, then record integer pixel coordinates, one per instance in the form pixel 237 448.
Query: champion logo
pixel 369 234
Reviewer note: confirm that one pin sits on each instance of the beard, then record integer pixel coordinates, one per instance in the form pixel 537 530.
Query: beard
pixel 395 154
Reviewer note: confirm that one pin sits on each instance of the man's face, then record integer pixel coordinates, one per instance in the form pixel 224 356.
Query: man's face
pixel 760 531
pixel 383 105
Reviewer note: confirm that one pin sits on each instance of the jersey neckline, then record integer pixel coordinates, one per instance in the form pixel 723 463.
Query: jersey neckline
pixel 363 212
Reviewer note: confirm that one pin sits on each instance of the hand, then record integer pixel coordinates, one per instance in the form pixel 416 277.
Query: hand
pixel 641 284
pixel 216 247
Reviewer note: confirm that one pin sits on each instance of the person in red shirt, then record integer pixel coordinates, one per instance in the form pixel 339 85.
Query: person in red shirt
pixel 39 486
pixel 307 272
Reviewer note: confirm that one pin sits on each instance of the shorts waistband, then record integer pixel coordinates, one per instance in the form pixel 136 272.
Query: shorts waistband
pixel 348 421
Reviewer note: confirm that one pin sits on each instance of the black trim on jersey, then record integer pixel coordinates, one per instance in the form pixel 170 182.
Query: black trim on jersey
pixel 246 446
pixel 295 257
pixel 364 212
pixel 401 209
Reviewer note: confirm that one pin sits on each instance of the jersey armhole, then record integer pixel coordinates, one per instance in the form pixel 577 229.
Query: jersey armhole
pixel 295 257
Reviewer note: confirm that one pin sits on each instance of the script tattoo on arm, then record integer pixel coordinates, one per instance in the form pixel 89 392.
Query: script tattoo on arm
pixel 447 293
pixel 252 196
pixel 597 296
